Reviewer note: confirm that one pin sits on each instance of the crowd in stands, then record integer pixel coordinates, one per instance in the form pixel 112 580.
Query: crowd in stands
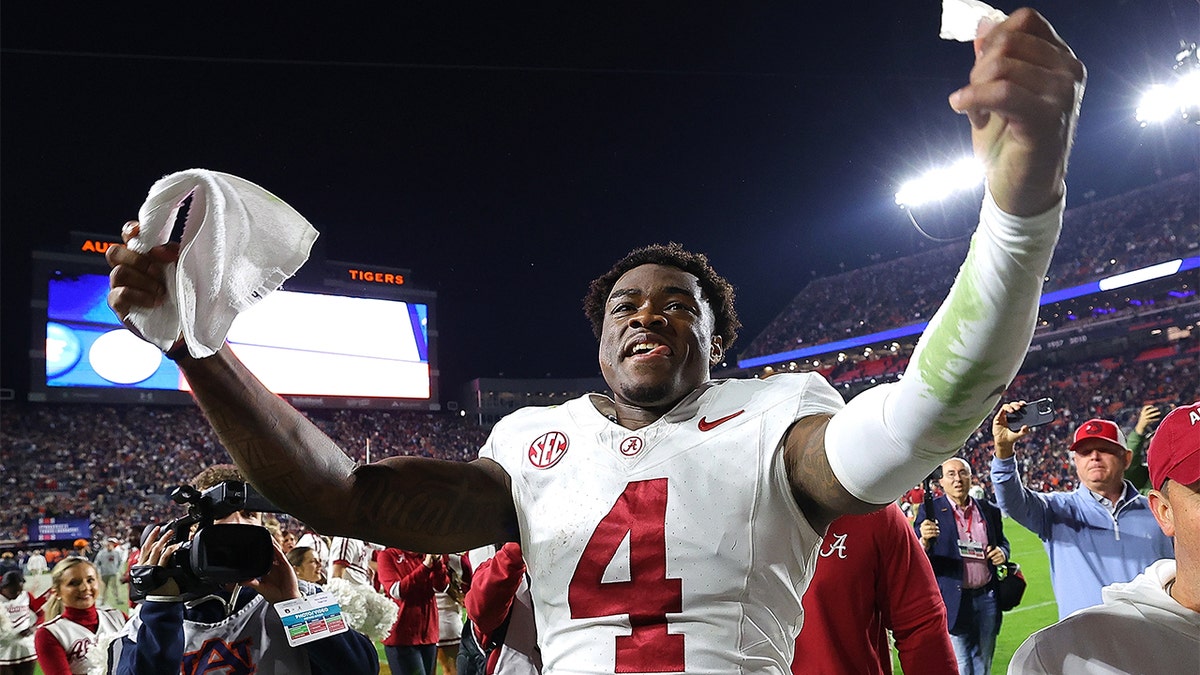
pixel 117 464
pixel 1115 235
pixel 1114 389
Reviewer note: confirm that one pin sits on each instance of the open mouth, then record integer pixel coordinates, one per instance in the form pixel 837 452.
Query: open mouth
pixel 647 347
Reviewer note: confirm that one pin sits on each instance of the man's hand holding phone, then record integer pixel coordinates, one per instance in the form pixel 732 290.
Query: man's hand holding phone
pixel 1014 421
pixel 1032 415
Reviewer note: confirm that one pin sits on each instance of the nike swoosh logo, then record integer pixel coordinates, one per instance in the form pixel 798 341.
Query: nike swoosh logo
pixel 705 425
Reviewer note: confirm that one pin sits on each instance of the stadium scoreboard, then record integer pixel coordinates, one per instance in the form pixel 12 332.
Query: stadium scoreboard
pixel 337 335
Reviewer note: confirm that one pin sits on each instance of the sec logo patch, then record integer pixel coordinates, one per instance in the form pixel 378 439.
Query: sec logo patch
pixel 547 449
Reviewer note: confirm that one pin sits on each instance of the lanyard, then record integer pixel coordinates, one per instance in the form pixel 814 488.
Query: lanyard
pixel 964 526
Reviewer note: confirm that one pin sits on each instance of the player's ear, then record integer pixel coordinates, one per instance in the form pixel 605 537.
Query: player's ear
pixel 1160 506
pixel 717 351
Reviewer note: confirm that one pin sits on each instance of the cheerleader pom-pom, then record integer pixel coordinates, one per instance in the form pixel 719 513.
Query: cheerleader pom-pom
pixel 97 656
pixel 366 611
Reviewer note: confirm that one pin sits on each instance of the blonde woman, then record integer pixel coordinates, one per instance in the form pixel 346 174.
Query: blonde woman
pixel 74 624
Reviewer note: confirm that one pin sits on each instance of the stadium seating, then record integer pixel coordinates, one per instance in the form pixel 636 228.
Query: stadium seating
pixel 116 464
pixel 1140 228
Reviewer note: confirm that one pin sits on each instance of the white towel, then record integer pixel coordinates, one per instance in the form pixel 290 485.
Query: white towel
pixel 960 18
pixel 239 243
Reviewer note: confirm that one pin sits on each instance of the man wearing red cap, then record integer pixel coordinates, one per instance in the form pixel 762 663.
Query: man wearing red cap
pixel 1102 532
pixel 1151 624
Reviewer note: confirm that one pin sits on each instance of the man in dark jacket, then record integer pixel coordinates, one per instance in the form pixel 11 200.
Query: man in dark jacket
pixel 965 542
pixel 235 630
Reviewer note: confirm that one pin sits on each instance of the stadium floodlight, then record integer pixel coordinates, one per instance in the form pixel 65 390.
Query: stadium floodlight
pixel 1163 102
pixel 1178 100
pixel 937 184
pixel 1157 105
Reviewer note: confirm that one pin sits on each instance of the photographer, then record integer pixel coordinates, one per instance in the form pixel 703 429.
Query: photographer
pixel 232 627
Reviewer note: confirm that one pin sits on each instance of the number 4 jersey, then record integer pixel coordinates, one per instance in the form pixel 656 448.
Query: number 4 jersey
pixel 677 547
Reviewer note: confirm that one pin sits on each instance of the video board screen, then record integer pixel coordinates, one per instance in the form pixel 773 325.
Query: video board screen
pixel 57 529
pixel 310 346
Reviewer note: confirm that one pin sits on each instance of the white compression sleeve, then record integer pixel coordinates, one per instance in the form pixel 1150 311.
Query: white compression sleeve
pixel 887 439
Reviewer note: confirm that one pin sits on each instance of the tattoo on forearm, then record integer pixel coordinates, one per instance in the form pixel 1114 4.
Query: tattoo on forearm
pixel 431 505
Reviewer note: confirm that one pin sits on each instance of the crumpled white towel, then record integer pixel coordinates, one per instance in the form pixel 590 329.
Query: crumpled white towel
pixel 960 18
pixel 239 243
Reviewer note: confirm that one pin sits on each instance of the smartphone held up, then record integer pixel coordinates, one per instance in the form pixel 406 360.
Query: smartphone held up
pixel 1034 414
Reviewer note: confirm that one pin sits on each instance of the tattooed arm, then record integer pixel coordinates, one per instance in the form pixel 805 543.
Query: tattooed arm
pixel 816 490
pixel 408 502
pixel 414 503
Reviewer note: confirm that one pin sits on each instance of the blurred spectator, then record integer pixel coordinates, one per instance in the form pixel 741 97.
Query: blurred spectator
pixel 411 580
pixel 21 611
pixel 108 564
pixel 1137 473
pixel 1101 533
pixel 80 549
pixel 964 538
pixel 36 563
pixel 450 619
pixel 1151 624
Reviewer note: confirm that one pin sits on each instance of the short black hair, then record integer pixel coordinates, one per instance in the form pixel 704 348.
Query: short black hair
pixel 717 291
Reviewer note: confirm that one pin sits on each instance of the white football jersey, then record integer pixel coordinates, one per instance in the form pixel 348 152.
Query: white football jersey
pixel 357 556
pixel 676 547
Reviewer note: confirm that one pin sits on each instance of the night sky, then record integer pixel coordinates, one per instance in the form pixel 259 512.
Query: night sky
pixel 507 153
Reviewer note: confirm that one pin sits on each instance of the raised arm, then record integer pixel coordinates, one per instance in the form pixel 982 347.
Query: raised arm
pixel 408 502
pixel 1023 101
pixel 1032 510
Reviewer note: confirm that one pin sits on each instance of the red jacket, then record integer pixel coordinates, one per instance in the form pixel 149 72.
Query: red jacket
pixel 498 591
pixel 404 577
pixel 494 584
pixel 872 574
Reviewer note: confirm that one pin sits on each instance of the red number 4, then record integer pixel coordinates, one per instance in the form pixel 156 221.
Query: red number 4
pixel 648 596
